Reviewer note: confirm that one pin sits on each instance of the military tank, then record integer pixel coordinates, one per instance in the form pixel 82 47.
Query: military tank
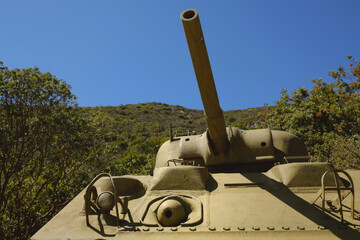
pixel 225 183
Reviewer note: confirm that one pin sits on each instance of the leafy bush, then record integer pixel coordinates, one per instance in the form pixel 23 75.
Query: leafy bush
pixel 43 149
pixel 327 117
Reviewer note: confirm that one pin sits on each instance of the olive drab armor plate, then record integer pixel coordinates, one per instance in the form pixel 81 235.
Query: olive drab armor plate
pixel 225 183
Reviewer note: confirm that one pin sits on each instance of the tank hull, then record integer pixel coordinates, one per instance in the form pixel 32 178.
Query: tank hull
pixel 234 205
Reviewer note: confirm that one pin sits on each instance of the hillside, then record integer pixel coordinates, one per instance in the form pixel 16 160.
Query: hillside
pixel 153 119
pixel 128 136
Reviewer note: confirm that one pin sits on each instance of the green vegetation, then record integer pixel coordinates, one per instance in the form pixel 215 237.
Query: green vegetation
pixel 44 148
pixel 50 148
pixel 327 117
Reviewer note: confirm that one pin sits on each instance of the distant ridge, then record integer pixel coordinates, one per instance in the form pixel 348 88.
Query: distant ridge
pixel 153 118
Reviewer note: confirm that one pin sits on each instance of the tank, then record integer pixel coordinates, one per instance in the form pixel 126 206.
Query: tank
pixel 225 183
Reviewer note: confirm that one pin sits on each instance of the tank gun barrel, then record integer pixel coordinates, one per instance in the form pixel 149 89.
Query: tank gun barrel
pixel 200 59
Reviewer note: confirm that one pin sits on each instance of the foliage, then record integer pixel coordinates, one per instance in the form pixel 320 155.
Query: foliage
pixel 133 163
pixel 43 147
pixel 327 117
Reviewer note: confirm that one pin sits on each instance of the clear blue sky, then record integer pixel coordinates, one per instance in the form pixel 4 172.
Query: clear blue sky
pixel 127 52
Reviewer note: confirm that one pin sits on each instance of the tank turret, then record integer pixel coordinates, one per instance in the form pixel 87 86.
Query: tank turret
pixel 221 148
pixel 225 183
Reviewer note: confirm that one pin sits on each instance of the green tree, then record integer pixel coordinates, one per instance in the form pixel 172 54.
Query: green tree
pixel 327 117
pixel 43 148
pixel 133 163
